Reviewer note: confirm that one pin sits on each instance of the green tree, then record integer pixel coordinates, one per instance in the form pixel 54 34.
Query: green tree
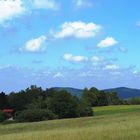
pixel 31 115
pixel 134 101
pixel 64 105
pixel 91 96
pixel 3 100
pixel 3 116
pixel 114 99
pixel 102 98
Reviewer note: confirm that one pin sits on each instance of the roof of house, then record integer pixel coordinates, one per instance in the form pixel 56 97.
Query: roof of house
pixel 8 110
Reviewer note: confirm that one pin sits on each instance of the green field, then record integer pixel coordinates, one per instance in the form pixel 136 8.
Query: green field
pixel 110 110
pixel 109 123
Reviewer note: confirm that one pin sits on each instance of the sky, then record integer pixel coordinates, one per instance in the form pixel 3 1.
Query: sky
pixel 69 43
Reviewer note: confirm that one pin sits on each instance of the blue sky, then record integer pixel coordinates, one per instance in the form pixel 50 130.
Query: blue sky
pixel 73 43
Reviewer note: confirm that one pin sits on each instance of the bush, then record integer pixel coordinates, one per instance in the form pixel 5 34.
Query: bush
pixel 134 101
pixel 3 116
pixel 66 105
pixel 34 115
pixel 85 109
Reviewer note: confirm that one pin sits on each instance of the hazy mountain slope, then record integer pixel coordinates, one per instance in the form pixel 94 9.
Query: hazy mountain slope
pixel 123 92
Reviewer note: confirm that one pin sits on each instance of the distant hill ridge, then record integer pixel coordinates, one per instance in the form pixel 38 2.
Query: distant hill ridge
pixel 73 91
pixel 123 92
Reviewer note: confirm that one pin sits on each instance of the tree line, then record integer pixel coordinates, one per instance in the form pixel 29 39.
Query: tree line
pixel 36 104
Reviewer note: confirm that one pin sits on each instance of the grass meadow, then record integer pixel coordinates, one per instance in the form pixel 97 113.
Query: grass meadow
pixel 109 123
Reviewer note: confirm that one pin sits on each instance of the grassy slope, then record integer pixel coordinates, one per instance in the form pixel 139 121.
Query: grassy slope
pixel 110 110
pixel 116 123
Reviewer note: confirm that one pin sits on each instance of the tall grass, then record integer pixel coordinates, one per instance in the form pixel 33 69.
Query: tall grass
pixel 119 126
pixel 115 109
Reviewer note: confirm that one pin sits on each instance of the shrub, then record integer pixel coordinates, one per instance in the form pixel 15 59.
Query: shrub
pixel 3 116
pixel 85 109
pixel 66 105
pixel 134 101
pixel 34 115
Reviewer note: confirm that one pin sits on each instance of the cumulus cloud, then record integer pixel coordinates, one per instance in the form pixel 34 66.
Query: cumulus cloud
pixel 98 62
pixel 107 42
pixel 111 67
pixel 136 73
pixel 96 59
pixel 72 77
pixel 78 29
pixel 45 4
pixel 82 3
pixel 36 45
pixel 72 58
pixel 10 9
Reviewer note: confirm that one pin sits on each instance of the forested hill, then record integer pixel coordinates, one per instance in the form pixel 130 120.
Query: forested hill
pixel 126 93
pixel 73 91
pixel 123 92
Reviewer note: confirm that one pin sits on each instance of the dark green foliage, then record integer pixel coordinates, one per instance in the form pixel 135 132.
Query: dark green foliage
pixel 32 104
pixel 36 104
pixel 73 91
pixel 113 98
pixel 3 100
pixel 39 103
pixel 31 115
pixel 134 101
pixel 102 98
pixel 91 96
pixel 85 109
pixel 3 116
pixel 96 97
pixel 19 101
pixel 65 105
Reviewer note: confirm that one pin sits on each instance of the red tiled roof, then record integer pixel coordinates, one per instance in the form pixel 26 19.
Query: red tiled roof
pixel 8 110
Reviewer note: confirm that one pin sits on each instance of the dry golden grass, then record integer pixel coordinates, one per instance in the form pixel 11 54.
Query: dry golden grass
pixel 118 126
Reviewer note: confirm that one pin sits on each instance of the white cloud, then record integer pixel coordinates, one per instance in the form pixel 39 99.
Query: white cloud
pixel 70 57
pixel 10 9
pixel 111 67
pixel 82 3
pixel 78 29
pixel 107 42
pixel 45 4
pixel 35 45
pixel 96 59
pixel 135 72
pixel 58 75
